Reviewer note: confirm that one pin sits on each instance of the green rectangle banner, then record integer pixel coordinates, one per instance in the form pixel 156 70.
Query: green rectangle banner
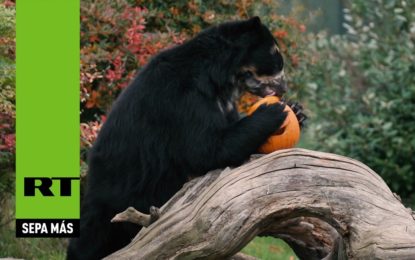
pixel 47 110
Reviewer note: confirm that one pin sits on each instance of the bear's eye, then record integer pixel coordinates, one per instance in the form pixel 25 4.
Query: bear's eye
pixel 248 74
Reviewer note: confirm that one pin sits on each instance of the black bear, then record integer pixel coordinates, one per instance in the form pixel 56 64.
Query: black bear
pixel 175 121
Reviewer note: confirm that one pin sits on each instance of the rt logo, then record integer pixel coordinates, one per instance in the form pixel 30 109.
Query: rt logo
pixel 43 185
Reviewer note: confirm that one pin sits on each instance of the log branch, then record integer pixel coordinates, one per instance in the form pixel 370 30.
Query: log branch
pixel 325 206
pixel 136 217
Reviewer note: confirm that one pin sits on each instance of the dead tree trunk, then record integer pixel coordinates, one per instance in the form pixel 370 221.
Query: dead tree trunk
pixel 324 205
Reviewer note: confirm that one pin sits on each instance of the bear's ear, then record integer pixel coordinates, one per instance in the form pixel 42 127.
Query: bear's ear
pixel 241 32
pixel 255 22
pixel 251 32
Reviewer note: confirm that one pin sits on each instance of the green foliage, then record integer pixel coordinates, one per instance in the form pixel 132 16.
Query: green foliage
pixel 31 248
pixel 8 21
pixel 7 86
pixel 362 90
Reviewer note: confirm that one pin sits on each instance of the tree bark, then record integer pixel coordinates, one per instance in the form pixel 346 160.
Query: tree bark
pixel 325 206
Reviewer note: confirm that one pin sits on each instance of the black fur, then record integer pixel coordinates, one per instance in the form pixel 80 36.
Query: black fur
pixel 175 121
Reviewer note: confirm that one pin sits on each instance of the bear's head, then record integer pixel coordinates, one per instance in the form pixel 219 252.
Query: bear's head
pixel 259 69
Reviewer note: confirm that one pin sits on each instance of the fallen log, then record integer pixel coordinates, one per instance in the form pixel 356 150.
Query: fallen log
pixel 325 206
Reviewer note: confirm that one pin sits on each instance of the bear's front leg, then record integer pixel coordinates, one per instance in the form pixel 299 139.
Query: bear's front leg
pixel 244 137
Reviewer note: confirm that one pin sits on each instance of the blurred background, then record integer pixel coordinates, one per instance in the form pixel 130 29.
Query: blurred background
pixel 350 63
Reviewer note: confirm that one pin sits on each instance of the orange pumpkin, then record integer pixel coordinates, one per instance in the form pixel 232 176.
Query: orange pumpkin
pixel 288 134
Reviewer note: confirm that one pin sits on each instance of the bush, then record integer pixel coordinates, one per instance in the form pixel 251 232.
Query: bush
pixel 114 43
pixel 7 109
pixel 7 86
pixel 362 90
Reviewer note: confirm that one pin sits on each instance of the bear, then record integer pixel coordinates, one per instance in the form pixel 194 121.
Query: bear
pixel 175 121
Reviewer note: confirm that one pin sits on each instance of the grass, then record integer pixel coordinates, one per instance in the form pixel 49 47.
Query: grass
pixel 269 248
pixel 31 248
pixel 26 248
